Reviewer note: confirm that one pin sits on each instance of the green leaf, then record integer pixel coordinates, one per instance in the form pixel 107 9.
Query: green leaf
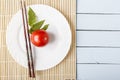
pixel 45 27
pixel 31 17
pixel 30 31
pixel 37 26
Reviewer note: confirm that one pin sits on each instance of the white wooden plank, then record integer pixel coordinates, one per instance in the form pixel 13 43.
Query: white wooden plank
pixel 98 6
pixel 98 55
pixel 98 72
pixel 100 38
pixel 98 22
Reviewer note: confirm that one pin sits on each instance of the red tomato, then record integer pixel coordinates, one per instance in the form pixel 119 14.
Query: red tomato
pixel 39 38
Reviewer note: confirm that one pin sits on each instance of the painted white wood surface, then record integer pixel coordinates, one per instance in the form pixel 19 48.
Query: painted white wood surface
pixel 98 22
pixel 98 6
pixel 98 38
pixel 98 55
pixel 98 72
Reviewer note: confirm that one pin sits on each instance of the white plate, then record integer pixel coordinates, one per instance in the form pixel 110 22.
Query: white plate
pixel 45 57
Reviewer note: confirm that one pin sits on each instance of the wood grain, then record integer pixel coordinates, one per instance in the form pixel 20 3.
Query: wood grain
pixel 98 72
pixel 98 38
pixel 98 22
pixel 98 55
pixel 98 50
pixel 98 6
pixel 10 70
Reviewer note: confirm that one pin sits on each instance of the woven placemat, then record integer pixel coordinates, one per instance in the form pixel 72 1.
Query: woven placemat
pixel 10 70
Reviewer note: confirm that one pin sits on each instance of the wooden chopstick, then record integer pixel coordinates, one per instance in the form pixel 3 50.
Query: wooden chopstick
pixel 31 57
pixel 27 40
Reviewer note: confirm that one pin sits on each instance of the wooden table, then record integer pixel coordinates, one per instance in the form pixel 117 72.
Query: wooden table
pixel 98 39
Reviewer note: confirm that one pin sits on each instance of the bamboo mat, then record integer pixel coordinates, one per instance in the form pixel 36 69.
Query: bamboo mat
pixel 10 70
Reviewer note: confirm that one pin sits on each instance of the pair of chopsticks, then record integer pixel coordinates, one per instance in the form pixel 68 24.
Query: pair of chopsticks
pixel 27 40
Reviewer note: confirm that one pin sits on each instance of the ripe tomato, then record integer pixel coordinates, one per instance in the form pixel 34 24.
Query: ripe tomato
pixel 39 38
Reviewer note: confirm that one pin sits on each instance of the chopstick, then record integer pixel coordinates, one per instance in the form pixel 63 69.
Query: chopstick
pixel 27 40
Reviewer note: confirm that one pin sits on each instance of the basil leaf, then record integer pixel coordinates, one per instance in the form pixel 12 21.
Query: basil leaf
pixel 45 27
pixel 30 31
pixel 37 26
pixel 31 17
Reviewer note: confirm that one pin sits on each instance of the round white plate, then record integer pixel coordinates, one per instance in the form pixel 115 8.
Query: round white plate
pixel 44 57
